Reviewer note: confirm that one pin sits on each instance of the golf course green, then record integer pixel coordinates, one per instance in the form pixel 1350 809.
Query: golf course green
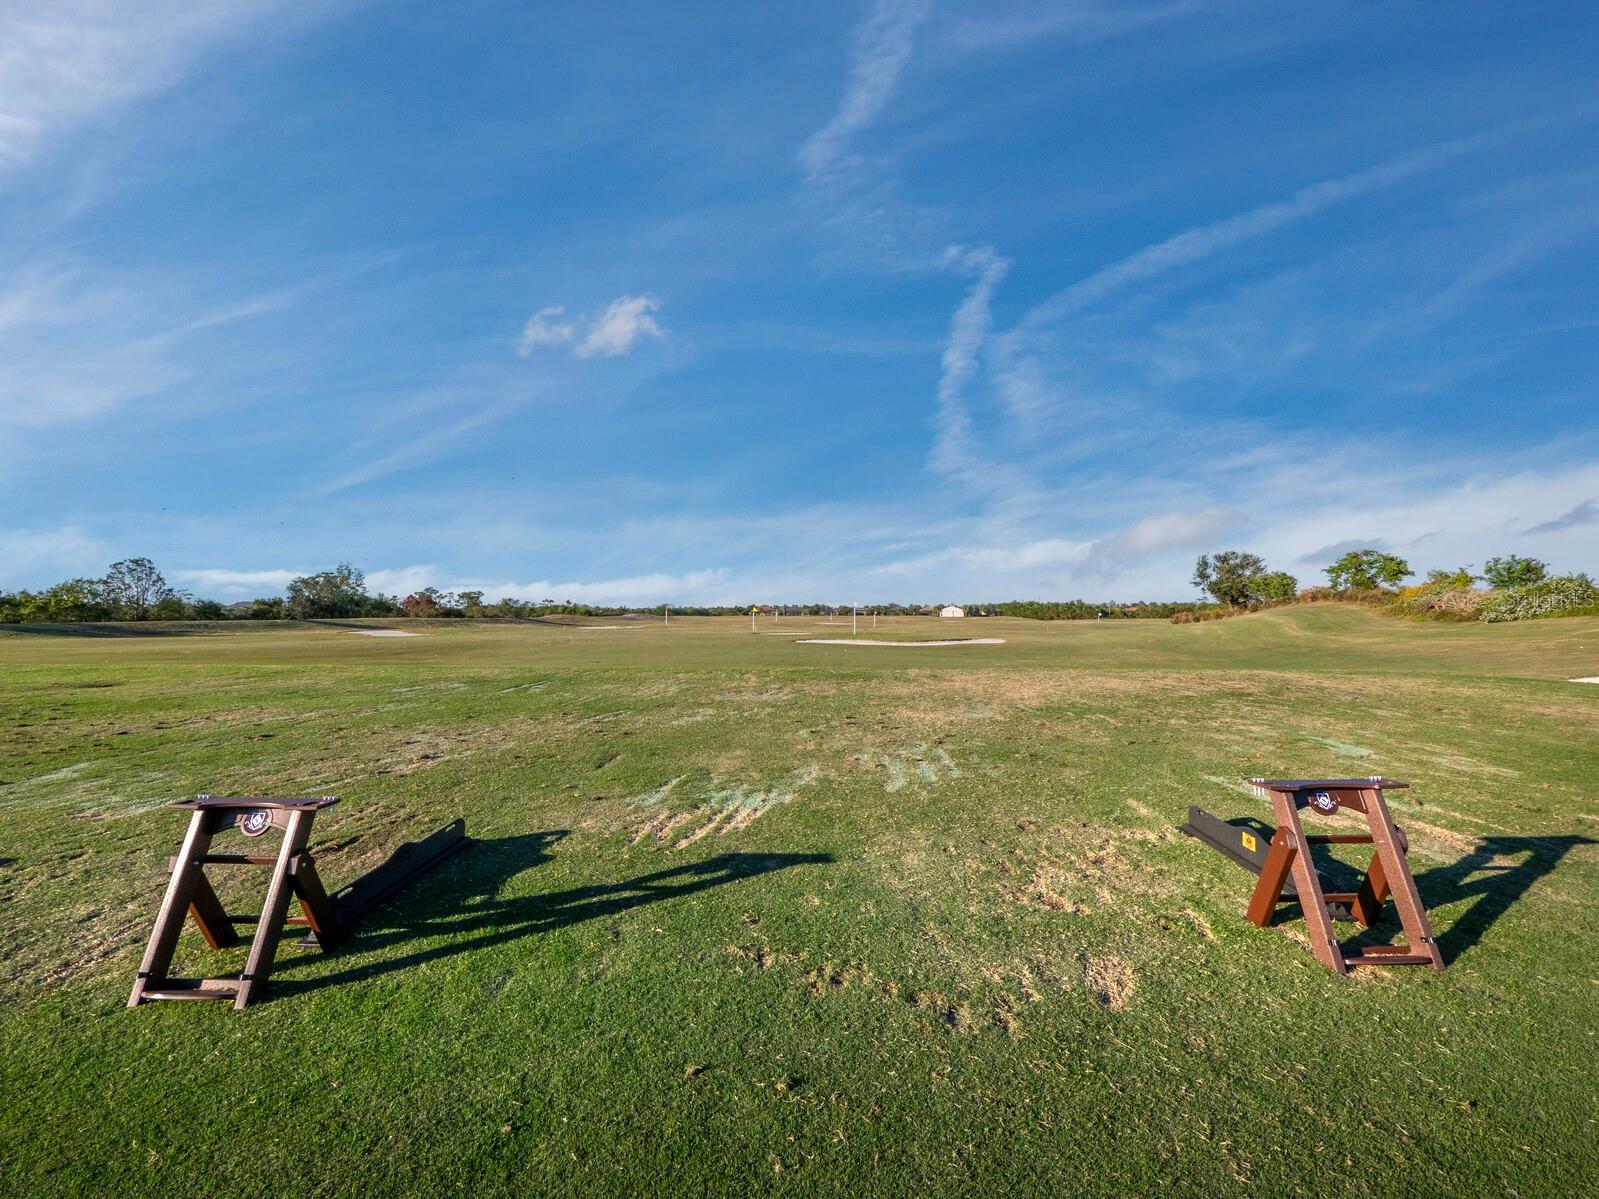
pixel 745 913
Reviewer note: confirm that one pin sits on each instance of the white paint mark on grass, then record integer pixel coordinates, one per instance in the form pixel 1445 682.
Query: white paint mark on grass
pixel 930 765
pixel 1235 785
pixel 904 644
pixel 721 810
pixel 1340 748
pixel 646 798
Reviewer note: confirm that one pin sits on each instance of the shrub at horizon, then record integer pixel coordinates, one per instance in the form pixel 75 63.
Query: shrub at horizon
pixel 1567 595
pixel 1446 595
pixel 1366 570
pixel 1276 586
pixel 1514 571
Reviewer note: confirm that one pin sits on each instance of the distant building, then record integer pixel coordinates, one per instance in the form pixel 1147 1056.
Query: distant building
pixel 951 612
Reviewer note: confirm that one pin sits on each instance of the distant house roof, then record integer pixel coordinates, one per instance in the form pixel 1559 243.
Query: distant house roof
pixel 951 610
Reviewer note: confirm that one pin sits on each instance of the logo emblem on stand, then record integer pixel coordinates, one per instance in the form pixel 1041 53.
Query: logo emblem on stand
pixel 1324 802
pixel 255 822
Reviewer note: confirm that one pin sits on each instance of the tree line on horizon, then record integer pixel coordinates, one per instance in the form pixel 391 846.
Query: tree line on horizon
pixel 133 589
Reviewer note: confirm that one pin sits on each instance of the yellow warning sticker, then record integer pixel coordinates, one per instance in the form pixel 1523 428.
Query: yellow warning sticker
pixel 1249 842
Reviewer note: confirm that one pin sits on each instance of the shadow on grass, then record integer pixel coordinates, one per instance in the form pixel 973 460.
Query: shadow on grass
pixel 463 902
pixel 1494 883
pixel 119 629
pixel 1483 875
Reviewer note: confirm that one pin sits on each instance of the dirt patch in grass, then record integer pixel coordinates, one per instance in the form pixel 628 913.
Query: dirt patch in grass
pixel 1111 980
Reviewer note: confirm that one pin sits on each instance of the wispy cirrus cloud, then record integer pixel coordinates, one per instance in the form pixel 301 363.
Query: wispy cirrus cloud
pixel 952 452
pixel 1075 23
pixel 1203 241
pixel 76 342
pixel 415 452
pixel 881 48
pixel 610 333
pixel 65 62
pixel 698 586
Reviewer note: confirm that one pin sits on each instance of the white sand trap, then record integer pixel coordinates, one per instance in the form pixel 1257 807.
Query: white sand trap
pixel 1594 679
pixel 383 633
pixel 592 628
pixel 907 644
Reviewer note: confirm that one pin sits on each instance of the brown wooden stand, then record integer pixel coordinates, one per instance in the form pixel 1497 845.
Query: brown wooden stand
pixel 294 876
pixel 189 893
pixel 1389 873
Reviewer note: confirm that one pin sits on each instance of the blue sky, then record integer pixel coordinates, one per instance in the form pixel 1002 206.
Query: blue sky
pixel 850 302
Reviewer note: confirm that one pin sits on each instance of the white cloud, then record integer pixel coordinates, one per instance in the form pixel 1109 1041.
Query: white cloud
pixel 968 329
pixel 693 587
pixel 882 48
pixel 75 343
pixel 212 581
pixel 625 322
pixel 1111 555
pixel 414 452
pixel 38 557
pixel 1165 531
pixel 1196 244
pixel 65 62
pixel 545 328
pixel 1076 24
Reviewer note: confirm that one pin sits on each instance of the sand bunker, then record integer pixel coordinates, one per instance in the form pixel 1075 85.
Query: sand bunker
pixel 906 644
pixel 1594 679
pixel 382 633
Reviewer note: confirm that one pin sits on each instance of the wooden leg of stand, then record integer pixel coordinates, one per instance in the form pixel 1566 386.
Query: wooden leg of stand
pixel 174 907
pixel 1373 890
pixel 318 908
pixel 1386 840
pixel 269 928
pixel 1318 924
pixel 1273 875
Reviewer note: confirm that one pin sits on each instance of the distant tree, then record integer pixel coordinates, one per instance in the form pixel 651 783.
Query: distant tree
pixel 1277 585
pixel 209 610
pixel 132 587
pixel 471 602
pixel 1232 577
pixel 174 606
pixel 1366 570
pixel 271 607
pixel 1512 571
pixel 332 593
pixel 424 603
pixel 74 599
pixel 1459 579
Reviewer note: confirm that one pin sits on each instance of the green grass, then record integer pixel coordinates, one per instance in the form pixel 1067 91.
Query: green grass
pixel 908 921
